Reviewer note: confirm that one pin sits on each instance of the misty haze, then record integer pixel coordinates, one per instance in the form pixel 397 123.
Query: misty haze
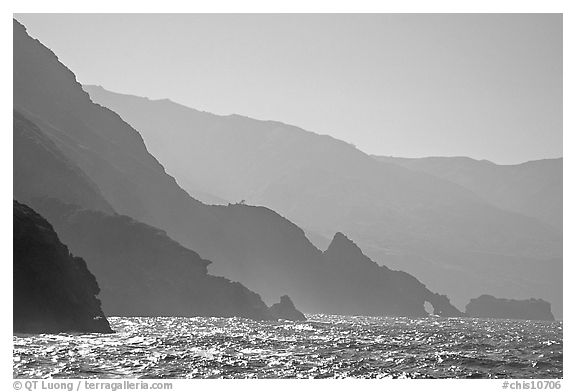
pixel 287 196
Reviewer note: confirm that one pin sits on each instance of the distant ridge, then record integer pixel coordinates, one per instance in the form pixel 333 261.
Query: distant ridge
pixel 533 188
pixel 447 235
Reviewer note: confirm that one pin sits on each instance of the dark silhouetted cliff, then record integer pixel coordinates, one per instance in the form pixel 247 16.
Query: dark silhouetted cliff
pixel 487 306
pixel 53 290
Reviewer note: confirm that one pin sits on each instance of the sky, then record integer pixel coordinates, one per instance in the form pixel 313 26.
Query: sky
pixel 487 86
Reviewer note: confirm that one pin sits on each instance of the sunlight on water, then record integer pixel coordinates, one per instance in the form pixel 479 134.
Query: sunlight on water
pixel 323 346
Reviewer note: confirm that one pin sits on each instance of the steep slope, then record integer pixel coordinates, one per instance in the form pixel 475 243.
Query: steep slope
pixel 532 188
pixel 437 230
pixel 253 245
pixel 142 272
pixel 40 169
pixel 45 166
pixel 106 149
pixel 53 290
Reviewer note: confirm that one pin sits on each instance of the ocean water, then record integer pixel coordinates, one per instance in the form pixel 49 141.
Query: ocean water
pixel 324 346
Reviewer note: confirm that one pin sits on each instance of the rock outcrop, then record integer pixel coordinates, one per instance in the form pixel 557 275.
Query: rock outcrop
pixel 487 306
pixel 53 290
pixel 285 310
pixel 442 306
pixel 359 283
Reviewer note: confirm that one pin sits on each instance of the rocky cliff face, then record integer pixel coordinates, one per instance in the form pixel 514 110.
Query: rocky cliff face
pixel 53 290
pixel 487 306
pixel 41 169
pixel 143 272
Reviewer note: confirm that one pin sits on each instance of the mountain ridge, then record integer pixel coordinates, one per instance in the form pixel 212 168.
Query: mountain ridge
pixel 533 188
pixel 249 244
pixel 410 220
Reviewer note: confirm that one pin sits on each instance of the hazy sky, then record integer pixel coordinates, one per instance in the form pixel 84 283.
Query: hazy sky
pixel 487 86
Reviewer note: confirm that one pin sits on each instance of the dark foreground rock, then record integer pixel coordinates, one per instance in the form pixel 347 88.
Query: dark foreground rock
pixel 53 290
pixel 286 310
pixel 488 306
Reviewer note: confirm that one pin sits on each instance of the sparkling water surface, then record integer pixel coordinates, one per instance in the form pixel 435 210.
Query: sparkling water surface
pixel 324 346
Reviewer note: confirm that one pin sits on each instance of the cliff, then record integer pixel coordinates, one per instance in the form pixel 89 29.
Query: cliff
pixel 371 289
pixel 53 290
pixel 41 169
pixel 132 261
pixel 487 306
pixel 143 272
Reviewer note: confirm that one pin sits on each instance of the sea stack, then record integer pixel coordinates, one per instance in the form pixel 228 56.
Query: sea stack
pixel 286 310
